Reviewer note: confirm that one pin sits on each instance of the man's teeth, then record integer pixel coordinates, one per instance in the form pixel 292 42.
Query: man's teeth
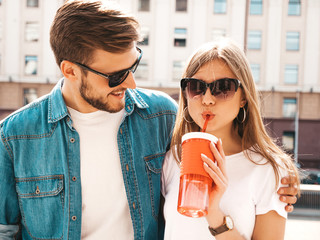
pixel 118 93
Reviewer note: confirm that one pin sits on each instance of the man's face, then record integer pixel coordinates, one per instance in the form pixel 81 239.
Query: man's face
pixel 95 90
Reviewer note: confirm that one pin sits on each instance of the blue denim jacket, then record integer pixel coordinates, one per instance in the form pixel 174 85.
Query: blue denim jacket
pixel 40 182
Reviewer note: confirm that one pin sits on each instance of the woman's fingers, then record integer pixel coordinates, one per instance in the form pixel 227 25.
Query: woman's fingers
pixel 219 156
pixel 214 171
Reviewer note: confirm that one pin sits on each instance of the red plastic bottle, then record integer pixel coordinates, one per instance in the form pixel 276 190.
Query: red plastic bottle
pixel 195 183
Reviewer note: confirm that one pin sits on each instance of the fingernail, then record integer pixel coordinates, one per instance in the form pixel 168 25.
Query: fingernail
pixel 205 164
pixel 283 198
pixel 281 191
pixel 284 181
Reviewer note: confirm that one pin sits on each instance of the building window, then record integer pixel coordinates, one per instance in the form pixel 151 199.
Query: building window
pixel 31 65
pixel 32 31
pixel 218 33
pixel 220 6
pixel 177 70
pixel 288 141
pixel 292 41
pixel 181 5
pixel 29 95
pixel 254 40
pixel 291 74
pixel 32 3
pixel 255 68
pixel 255 7
pixel 289 107
pixel 145 36
pixel 142 72
pixel 294 8
pixel 144 5
pixel 180 37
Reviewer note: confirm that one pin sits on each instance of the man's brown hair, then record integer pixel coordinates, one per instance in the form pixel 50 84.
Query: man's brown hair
pixel 80 27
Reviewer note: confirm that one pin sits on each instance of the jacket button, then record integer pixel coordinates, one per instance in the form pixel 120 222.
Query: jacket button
pixel 74 218
pixel 134 205
pixel 74 179
pixel 72 140
pixel 127 167
pixel 120 130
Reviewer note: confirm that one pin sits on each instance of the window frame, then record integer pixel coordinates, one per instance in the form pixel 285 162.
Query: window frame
pixel 288 73
pixel 257 3
pixel 223 7
pixel 286 111
pixel 255 46
pixel 292 41
pixel 294 8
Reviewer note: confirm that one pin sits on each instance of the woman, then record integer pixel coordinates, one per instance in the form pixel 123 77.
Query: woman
pixel 218 82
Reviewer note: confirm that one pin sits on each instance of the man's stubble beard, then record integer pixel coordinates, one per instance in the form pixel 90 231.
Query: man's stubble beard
pixel 96 102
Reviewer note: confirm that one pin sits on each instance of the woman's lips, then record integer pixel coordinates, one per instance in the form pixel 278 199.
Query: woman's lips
pixel 207 114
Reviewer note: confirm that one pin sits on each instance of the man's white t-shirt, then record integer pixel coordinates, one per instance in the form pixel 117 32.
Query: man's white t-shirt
pixel 105 209
pixel 251 191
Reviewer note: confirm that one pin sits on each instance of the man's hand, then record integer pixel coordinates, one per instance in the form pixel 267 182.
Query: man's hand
pixel 288 194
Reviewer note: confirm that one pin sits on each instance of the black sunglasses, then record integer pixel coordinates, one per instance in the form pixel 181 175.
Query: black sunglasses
pixel 222 89
pixel 116 78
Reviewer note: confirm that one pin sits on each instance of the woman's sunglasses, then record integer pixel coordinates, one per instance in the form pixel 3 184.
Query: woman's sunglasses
pixel 116 78
pixel 222 89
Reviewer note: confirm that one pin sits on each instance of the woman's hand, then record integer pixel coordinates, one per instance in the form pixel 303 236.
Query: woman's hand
pixel 217 171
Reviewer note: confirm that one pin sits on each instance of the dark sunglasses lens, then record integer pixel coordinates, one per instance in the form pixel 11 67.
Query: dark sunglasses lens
pixel 118 78
pixel 224 89
pixel 195 88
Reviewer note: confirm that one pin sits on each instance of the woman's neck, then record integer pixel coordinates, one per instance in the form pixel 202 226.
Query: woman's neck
pixel 231 142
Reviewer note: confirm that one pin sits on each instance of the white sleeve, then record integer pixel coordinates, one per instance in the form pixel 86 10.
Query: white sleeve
pixel 266 197
pixel 168 172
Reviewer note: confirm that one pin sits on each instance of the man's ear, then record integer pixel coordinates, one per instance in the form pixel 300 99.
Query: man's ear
pixel 69 70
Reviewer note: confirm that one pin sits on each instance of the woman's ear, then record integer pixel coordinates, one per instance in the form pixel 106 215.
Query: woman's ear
pixel 243 102
pixel 69 70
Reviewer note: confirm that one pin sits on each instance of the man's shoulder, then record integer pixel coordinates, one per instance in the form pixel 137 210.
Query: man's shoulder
pixel 157 99
pixel 27 116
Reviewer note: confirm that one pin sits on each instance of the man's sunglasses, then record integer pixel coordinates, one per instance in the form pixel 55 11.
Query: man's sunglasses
pixel 116 78
pixel 222 89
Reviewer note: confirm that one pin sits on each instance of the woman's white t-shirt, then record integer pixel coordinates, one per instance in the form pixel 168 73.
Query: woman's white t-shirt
pixel 251 191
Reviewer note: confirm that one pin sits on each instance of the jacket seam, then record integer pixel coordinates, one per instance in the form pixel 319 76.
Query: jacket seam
pixel 44 135
pixel 135 183
pixel 7 146
pixel 158 114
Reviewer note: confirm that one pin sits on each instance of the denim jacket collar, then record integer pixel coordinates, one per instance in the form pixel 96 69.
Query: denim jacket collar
pixel 133 98
pixel 58 109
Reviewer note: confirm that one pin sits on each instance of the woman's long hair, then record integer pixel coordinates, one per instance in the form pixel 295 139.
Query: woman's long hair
pixel 252 131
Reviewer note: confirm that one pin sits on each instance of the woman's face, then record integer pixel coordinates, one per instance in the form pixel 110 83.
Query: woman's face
pixel 222 111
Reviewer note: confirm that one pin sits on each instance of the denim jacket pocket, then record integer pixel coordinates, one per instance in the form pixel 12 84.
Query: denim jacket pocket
pixel 41 202
pixel 154 168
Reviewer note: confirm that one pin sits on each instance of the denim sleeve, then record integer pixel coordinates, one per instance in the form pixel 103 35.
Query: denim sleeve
pixel 9 207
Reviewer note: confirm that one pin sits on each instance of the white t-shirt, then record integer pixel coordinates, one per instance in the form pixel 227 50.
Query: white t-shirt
pixel 105 209
pixel 251 191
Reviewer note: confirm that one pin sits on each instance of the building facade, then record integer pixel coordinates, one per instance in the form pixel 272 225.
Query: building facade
pixel 281 39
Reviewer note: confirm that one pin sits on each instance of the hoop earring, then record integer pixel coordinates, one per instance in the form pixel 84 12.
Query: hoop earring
pixel 244 115
pixel 184 115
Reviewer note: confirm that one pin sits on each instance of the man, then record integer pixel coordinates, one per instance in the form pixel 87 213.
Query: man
pixel 85 160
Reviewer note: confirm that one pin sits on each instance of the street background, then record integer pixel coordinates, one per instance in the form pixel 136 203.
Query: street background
pixel 303 224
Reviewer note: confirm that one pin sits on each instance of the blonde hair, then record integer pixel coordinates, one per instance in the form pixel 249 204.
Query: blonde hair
pixel 252 131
